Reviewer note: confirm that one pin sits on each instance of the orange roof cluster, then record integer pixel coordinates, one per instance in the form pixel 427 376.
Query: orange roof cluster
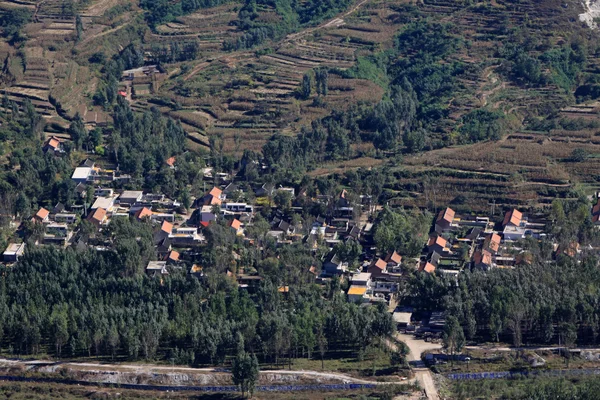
pixel 512 217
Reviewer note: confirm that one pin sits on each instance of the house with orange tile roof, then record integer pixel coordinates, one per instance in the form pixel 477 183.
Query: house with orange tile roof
pixel 53 146
pixel 377 268
pixel 142 213
pixel 437 243
pixel 482 259
pixel 42 215
pixel 427 267
pixel 236 225
pixel 444 220
pixel 492 243
pixel 513 217
pixel 98 217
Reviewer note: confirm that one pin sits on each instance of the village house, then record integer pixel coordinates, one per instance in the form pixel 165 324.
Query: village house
pixel 333 265
pixel 130 197
pixel 66 218
pixel 98 217
pixel 214 197
pixel 236 225
pixel 492 243
pixel 482 259
pixel 53 146
pixel 357 294
pixel 42 216
pixel 166 228
pixel 378 268
pixel 426 267
pixel 13 252
pixel 438 244
pixel 186 236
pixel 57 234
pixel 157 268
pixel 443 223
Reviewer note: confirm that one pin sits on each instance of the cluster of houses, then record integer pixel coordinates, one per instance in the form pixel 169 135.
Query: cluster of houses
pixel 460 241
pixel 456 242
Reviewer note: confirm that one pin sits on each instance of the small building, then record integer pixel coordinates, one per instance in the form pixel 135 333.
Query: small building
pixel 265 190
pixel 427 267
pixel 82 174
pixel 42 215
pixel 236 225
pixel 212 198
pixel 333 265
pixel 402 317
pixel 157 268
pixel 361 279
pixel 13 252
pixel 513 218
pixel 357 294
pixel 66 218
pixel 142 213
pixel 107 203
pixel 513 232
pixel 166 228
pixel 436 243
pixel 197 271
pixel 172 257
pixel 492 243
pixel 483 260
pixel 98 217
pixel 443 222
pixel 130 197
pixel 53 146
pixel 377 268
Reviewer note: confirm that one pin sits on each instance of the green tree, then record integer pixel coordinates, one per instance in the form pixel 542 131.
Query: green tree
pixel 306 86
pixel 453 338
pixel 245 372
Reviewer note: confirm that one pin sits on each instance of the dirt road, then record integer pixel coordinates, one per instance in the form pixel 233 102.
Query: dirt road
pixel 422 373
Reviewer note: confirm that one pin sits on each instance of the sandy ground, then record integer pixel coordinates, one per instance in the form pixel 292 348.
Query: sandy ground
pixel 592 8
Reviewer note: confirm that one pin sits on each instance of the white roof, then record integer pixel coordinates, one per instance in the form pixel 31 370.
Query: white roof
pixel 15 248
pixel 103 202
pixel 362 277
pixel 132 194
pixel 159 265
pixel 81 173
pixel 402 317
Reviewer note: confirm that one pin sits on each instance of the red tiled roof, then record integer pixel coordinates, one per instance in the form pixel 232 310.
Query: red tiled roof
pixel 482 257
pixel 173 255
pixel 170 161
pixel 492 242
pixel 235 224
pixel 144 212
pixel 204 223
pixel 53 142
pixel 379 264
pixel 394 257
pixel 596 209
pixel 512 217
pixel 98 215
pixel 437 240
pixel 166 227
pixel 42 213
pixel 446 215
pixel 427 267
pixel 215 192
